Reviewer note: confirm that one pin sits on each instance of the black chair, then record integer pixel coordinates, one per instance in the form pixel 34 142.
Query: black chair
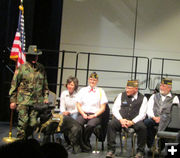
pixel 172 131
pixel 100 131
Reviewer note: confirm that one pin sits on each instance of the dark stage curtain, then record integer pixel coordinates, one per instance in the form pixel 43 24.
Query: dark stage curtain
pixel 42 27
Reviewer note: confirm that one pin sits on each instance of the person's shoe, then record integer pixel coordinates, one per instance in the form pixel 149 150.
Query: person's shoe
pixel 139 155
pixel 110 154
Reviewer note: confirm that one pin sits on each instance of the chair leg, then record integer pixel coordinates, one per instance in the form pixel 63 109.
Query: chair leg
pixel 96 147
pixel 96 144
pixel 102 146
pixel 53 140
pixel 125 138
pixel 159 146
pixel 155 146
pixel 133 143
pixel 121 143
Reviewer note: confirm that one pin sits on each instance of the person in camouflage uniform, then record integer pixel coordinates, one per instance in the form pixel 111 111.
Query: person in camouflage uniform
pixel 29 87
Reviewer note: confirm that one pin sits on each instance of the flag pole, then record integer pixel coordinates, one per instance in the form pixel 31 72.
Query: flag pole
pixel 22 10
pixel 11 139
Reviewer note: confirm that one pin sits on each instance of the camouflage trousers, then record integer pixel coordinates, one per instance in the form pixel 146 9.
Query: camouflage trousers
pixel 27 120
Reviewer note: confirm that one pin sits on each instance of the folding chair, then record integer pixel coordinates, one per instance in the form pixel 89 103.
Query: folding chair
pixel 172 132
pixel 100 131
pixel 124 135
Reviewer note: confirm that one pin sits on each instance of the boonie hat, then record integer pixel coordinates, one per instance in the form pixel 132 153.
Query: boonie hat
pixel 32 50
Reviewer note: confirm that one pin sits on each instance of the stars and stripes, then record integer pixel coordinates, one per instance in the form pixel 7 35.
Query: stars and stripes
pixel 18 48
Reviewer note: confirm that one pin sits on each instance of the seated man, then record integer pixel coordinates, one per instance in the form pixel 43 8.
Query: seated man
pixel 91 103
pixel 159 110
pixel 129 110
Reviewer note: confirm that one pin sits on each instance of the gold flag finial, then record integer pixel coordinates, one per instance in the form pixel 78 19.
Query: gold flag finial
pixel 21 7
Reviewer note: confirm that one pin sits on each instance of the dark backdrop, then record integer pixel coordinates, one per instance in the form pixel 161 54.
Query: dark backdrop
pixel 42 27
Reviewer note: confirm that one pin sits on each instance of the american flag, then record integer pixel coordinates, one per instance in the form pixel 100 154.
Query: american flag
pixel 18 48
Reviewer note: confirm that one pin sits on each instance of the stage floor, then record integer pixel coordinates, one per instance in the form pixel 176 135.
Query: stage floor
pixel 4 130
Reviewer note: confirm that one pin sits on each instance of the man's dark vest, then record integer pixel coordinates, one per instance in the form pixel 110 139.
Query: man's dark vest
pixel 163 110
pixel 130 109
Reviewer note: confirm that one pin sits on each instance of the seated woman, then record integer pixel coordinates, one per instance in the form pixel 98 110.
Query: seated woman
pixel 71 129
pixel 68 98
pixel 68 108
pixel 91 103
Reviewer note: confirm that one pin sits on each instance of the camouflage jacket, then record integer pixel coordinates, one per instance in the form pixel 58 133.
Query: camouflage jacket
pixel 29 85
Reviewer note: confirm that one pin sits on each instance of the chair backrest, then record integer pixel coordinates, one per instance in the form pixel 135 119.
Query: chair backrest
pixel 52 98
pixel 105 116
pixel 45 114
pixel 175 114
pixel 104 123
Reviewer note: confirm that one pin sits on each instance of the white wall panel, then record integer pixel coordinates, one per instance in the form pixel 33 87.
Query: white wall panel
pixel 107 26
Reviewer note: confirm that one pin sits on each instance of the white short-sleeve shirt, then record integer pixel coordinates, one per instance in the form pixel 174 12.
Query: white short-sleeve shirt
pixel 91 100
pixel 68 102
